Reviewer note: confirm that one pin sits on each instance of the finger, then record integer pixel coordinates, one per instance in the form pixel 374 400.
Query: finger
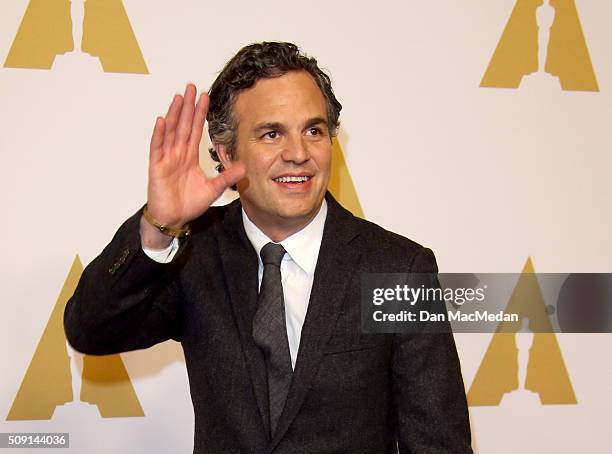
pixel 198 123
pixel 227 178
pixel 172 120
pixel 157 140
pixel 186 119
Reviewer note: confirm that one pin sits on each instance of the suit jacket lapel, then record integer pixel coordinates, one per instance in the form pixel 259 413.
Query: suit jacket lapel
pixel 333 272
pixel 240 266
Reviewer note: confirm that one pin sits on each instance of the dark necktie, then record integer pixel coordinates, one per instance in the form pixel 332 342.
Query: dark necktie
pixel 270 331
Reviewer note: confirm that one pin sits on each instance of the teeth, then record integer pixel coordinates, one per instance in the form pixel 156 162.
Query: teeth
pixel 291 179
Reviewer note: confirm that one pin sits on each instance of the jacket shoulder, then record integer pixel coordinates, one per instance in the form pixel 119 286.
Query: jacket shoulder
pixel 385 247
pixel 374 231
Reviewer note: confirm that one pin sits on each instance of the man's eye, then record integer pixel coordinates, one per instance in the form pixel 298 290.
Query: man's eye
pixel 271 135
pixel 314 131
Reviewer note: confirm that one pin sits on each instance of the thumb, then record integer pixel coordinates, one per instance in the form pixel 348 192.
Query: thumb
pixel 228 177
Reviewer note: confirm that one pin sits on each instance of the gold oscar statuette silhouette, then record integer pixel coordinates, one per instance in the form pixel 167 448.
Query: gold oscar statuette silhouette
pixel 542 46
pixel 91 35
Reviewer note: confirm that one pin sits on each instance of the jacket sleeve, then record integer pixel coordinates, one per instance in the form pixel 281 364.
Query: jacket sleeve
pixel 430 402
pixel 124 300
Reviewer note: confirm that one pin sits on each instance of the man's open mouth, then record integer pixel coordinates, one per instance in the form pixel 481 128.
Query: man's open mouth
pixel 300 179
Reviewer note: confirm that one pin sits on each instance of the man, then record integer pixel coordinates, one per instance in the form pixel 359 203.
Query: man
pixel 277 362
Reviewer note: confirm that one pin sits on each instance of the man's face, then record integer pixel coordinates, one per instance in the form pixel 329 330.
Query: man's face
pixel 283 140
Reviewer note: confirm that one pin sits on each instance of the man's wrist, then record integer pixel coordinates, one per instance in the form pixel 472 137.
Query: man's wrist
pixel 176 232
pixel 151 238
pixel 164 255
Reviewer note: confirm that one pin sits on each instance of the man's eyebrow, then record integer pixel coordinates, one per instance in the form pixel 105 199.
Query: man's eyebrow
pixel 278 126
pixel 316 121
pixel 269 125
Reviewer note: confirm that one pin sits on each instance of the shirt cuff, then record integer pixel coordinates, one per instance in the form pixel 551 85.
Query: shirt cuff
pixel 163 255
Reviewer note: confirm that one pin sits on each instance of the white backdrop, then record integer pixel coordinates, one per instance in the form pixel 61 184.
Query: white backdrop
pixel 486 177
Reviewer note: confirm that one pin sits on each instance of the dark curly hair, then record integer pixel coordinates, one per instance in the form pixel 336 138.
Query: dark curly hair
pixel 251 63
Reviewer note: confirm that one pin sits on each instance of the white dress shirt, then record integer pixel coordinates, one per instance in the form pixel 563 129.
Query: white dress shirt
pixel 297 269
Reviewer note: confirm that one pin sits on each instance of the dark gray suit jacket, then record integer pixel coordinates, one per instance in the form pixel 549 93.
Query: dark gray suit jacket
pixel 351 392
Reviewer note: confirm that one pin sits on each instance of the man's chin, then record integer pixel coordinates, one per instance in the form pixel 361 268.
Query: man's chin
pixel 299 214
pixel 295 214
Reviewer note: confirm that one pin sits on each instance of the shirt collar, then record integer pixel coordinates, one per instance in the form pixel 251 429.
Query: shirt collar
pixel 302 247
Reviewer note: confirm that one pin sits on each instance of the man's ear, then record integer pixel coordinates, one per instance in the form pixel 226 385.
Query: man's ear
pixel 223 154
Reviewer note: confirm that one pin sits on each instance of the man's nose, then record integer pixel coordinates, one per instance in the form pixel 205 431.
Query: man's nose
pixel 296 150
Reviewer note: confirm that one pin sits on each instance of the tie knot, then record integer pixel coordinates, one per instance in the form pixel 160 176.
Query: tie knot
pixel 272 254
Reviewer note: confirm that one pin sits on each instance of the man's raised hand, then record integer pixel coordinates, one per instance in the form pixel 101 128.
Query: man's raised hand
pixel 178 189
